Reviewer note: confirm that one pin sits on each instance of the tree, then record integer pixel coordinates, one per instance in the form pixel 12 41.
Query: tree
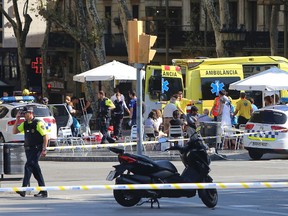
pixel 273 30
pixel 83 24
pixel 20 33
pixel 125 15
pixel 218 22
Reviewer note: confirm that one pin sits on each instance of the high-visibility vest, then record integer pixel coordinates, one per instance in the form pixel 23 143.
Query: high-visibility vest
pixel 216 106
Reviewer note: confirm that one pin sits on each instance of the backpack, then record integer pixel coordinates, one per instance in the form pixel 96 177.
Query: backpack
pixel 119 108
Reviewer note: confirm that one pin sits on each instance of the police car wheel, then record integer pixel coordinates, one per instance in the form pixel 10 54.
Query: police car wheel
pixel 255 155
pixel 2 140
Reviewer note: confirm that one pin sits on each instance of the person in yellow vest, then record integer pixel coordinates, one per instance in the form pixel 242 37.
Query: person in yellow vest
pixel 244 109
pixel 183 102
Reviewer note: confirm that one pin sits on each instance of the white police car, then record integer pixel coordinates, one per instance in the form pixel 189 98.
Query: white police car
pixel 8 109
pixel 267 131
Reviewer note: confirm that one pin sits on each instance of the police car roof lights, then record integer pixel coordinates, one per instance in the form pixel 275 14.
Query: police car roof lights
pixel 11 99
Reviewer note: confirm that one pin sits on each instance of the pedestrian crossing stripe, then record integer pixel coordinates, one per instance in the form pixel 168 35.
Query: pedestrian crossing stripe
pixel 262 135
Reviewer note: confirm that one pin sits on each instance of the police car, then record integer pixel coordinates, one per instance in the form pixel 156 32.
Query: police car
pixel 10 106
pixel 267 131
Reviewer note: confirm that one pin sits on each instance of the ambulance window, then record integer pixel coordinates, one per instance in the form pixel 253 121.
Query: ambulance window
pixel 155 87
pixel 173 86
pixel 209 87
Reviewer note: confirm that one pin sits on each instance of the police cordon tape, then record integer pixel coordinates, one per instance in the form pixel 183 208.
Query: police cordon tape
pixel 97 146
pixel 243 185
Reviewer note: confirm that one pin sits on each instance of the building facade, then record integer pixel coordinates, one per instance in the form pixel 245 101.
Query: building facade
pixel 182 27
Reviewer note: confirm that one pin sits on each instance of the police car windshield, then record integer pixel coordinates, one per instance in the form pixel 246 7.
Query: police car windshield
pixel 39 111
pixel 268 117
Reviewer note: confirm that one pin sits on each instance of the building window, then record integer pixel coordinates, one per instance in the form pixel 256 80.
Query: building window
pixel 135 11
pixel 108 20
pixel 233 10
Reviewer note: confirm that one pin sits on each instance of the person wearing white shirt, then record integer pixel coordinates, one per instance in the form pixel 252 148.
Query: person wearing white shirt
pixel 113 97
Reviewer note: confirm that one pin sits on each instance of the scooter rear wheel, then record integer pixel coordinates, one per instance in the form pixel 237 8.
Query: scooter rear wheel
pixel 125 198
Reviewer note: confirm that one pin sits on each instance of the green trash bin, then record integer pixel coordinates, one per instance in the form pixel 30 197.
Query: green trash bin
pixel 1 159
pixel 14 158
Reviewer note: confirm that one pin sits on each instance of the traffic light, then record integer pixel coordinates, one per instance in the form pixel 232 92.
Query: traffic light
pixel 145 53
pixel 135 28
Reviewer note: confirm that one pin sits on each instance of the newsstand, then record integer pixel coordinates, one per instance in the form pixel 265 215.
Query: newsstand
pixel 14 158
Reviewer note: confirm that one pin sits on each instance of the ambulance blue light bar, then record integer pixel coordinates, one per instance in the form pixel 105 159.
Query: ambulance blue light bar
pixel 11 99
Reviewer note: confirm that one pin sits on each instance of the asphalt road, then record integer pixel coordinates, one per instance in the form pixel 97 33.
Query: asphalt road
pixel 101 202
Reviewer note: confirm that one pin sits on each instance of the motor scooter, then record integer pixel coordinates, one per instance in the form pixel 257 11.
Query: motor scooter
pixel 140 169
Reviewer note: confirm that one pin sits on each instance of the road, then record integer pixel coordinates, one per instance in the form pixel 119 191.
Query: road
pixel 231 201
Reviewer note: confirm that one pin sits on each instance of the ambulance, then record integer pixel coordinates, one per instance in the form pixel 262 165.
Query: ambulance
pixel 204 78
pixel 161 82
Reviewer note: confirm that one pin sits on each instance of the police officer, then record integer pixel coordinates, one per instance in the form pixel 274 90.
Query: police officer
pixel 105 105
pixel 35 144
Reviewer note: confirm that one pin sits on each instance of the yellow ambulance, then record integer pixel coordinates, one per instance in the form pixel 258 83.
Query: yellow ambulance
pixel 204 78
pixel 161 82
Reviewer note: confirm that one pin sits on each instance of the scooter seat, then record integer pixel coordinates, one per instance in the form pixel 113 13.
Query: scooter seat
pixel 167 165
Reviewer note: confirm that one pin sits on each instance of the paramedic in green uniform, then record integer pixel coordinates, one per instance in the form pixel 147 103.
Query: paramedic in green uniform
pixel 35 144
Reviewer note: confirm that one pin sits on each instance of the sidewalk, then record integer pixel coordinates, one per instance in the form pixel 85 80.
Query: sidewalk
pixel 104 155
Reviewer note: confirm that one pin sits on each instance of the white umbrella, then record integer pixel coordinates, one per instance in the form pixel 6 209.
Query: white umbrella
pixel 269 80
pixel 111 71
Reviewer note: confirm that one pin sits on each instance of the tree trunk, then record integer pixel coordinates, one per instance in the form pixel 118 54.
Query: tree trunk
pixel 44 60
pixel 216 24
pixel 273 29
pixel 224 13
pixel 21 50
pixel 125 15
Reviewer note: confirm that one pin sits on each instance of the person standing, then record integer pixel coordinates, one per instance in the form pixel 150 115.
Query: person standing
pixel 87 113
pixel 183 102
pixel 35 144
pixel 118 114
pixel 45 100
pixel 114 97
pixel 105 105
pixel 244 109
pixel 254 107
pixel 216 105
pixel 268 100
pixel 192 120
pixel 168 113
pixel 132 107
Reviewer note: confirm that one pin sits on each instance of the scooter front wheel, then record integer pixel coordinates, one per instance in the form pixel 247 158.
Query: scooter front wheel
pixel 208 196
pixel 125 198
